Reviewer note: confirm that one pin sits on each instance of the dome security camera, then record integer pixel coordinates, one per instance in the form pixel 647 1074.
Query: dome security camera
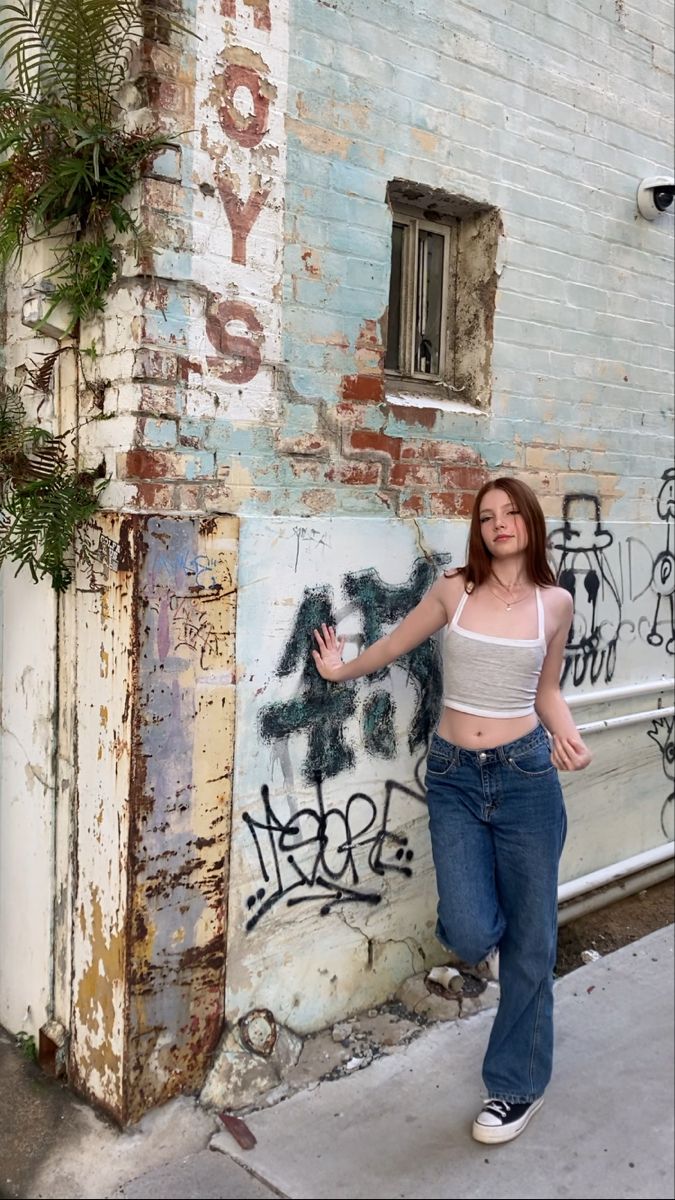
pixel 655 195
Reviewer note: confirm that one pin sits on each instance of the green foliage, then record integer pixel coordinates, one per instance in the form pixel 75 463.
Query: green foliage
pixel 26 1043
pixel 62 158
pixel 76 52
pixel 43 498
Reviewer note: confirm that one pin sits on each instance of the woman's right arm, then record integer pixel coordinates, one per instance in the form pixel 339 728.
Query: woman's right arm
pixel 426 618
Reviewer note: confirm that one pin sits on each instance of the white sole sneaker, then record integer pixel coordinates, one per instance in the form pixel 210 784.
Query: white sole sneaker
pixel 492 1134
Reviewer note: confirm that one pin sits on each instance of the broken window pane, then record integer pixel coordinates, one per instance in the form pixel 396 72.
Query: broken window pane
pixel 429 302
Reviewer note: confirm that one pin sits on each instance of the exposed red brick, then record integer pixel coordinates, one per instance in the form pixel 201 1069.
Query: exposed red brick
pixel 165 95
pixel 413 506
pixel 380 443
pixel 355 473
pixel 344 409
pixel 449 452
pixel 465 501
pixel 463 478
pixel 414 416
pixel 147 464
pixel 155 496
pixel 451 504
pixel 369 389
pixel 405 474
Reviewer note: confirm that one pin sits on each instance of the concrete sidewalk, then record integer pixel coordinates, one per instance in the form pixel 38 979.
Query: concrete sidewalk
pixel 401 1127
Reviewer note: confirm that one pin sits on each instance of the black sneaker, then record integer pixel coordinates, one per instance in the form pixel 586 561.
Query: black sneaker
pixel 500 1121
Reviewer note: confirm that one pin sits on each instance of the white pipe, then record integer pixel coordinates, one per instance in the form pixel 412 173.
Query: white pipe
pixel 598 879
pixel 618 693
pixel 627 719
pixel 592 901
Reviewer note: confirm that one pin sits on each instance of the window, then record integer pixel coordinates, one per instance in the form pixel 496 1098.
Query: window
pixel 441 295
pixel 421 253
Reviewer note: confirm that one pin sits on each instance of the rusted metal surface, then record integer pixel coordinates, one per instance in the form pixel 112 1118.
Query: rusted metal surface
pixel 154 809
pixel 259 1031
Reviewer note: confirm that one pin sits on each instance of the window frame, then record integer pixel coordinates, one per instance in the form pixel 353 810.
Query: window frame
pixel 413 224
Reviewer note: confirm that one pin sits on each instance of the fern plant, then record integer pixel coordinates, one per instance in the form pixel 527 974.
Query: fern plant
pixel 62 156
pixel 43 497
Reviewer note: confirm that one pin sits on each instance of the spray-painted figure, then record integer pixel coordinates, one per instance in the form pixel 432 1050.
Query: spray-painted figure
pixel 663 574
pixel 591 646
pixel 662 733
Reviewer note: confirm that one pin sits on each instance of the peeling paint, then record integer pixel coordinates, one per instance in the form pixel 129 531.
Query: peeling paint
pixel 154 819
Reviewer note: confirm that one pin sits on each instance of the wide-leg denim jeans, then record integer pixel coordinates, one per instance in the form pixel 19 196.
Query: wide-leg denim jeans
pixel 497 822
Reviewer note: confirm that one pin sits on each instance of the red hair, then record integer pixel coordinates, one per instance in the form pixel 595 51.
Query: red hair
pixel 478 558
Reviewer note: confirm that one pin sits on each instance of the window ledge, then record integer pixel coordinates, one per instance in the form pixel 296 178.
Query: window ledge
pixel 431 396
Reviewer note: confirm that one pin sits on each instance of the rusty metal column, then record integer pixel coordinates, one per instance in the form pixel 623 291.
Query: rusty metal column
pixel 156 628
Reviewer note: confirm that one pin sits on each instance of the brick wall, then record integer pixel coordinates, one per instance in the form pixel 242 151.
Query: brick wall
pixel 255 381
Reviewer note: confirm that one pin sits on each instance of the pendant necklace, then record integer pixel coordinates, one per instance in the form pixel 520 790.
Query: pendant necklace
pixel 508 605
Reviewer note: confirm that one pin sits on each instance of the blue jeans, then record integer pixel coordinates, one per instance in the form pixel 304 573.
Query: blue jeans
pixel 497 823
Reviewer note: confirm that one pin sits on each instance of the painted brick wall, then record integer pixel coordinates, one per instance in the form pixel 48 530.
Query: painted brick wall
pixel 256 382
pixel 553 116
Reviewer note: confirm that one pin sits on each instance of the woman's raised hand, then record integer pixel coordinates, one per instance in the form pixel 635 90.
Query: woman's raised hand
pixel 328 657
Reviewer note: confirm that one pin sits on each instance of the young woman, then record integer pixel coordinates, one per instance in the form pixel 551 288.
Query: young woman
pixel 496 813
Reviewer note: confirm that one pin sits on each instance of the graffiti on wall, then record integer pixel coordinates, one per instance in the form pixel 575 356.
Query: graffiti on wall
pixel 661 732
pixel 309 849
pixel 323 853
pixel 663 570
pixel 586 572
pixel 320 710
pixel 609 580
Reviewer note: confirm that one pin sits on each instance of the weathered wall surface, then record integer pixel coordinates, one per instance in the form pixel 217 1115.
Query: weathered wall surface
pixel 332 899
pixel 259 370
pixel 27 731
pixel 155 603
pixel 242 360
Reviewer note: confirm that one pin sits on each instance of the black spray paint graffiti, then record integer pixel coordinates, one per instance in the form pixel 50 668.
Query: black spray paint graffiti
pixel 663 572
pixel 591 645
pixel 662 733
pixel 605 576
pixel 320 854
pixel 321 709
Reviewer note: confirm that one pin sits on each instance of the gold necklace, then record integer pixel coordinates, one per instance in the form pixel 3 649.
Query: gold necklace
pixel 508 604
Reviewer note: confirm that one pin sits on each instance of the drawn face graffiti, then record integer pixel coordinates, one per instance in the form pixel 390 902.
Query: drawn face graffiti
pixel 665 504
pixel 662 734
pixel 585 571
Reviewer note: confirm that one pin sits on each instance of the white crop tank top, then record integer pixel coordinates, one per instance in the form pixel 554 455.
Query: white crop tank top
pixel 492 676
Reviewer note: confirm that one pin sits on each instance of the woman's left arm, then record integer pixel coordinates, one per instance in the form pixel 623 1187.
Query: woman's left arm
pixel 569 752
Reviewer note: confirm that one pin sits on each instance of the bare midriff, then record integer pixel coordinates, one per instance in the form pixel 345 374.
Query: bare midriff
pixel 483 733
